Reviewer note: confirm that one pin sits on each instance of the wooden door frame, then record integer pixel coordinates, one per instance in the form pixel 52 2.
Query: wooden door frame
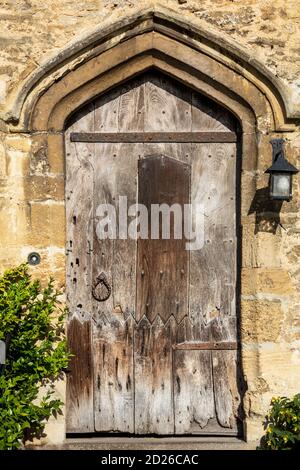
pixel 163 42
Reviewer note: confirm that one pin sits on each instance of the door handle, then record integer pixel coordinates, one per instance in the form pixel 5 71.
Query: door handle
pixel 101 280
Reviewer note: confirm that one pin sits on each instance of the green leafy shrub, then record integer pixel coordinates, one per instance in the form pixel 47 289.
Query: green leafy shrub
pixel 31 324
pixel 283 424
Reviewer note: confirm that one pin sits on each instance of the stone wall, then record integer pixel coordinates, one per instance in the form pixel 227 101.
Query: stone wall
pixel 32 176
pixel 32 31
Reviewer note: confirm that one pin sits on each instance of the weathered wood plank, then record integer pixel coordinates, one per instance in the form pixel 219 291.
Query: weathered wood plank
pixel 157 281
pixel 212 286
pixel 208 116
pixel 79 205
pixel 153 377
pixel 79 401
pixel 131 107
pixel 80 389
pixel 106 113
pixel 227 397
pixel 115 170
pixel 113 400
pixel 177 151
pixel 193 391
pixel 155 137
pixel 167 105
pixel 114 380
pixel 162 264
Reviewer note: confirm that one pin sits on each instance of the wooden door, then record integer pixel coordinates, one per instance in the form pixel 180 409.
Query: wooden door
pixel 159 355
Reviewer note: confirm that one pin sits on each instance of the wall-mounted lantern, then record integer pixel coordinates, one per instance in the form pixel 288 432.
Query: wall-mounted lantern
pixel 281 173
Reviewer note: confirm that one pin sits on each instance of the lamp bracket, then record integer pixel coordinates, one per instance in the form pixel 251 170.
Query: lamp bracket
pixel 278 150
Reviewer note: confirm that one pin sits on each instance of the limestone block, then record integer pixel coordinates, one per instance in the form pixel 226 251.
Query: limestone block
pixel 269 281
pixel 21 142
pixel 261 320
pixel 17 163
pixel 254 429
pixel 57 229
pixel 39 224
pixel 55 150
pixel 261 249
pixel 39 155
pixel 41 188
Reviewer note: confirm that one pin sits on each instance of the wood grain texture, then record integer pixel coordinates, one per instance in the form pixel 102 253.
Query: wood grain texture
pixel 162 264
pixel 115 176
pixel 193 391
pixel 115 167
pixel 207 116
pixel 79 400
pixel 227 398
pixel 114 379
pixel 154 412
pixel 167 105
pixel 79 206
pixel 131 106
pixel 213 268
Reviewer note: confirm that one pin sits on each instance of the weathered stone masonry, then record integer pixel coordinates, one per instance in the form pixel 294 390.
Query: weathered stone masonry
pixel 55 58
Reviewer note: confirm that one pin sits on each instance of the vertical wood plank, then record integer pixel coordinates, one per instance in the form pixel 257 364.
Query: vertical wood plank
pixel 111 332
pixel 167 105
pixel 153 376
pixel 212 286
pixel 115 170
pixel 131 106
pixel 79 204
pixel 162 264
pixel 113 374
pixel 227 398
pixel 208 116
pixel 79 401
pixel 106 114
pixel 162 281
pixel 193 391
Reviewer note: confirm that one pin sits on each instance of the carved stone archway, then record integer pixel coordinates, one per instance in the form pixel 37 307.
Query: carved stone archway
pixel 164 32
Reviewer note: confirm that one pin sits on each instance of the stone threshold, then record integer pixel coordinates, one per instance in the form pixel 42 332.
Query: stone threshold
pixel 150 443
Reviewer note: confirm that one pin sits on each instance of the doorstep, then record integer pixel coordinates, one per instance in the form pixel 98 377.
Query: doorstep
pixel 150 443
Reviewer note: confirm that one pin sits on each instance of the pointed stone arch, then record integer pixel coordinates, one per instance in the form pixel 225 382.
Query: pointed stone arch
pixel 151 38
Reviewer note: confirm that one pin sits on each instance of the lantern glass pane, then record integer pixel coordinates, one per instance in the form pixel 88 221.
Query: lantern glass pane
pixel 281 185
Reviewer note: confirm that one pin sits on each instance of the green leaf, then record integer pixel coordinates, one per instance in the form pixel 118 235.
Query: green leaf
pixel 32 319
pixel 283 424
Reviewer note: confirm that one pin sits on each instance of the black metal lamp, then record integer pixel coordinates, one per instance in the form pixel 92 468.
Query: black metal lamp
pixel 281 173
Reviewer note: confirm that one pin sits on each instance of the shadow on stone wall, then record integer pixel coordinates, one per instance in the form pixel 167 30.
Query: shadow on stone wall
pixel 267 211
